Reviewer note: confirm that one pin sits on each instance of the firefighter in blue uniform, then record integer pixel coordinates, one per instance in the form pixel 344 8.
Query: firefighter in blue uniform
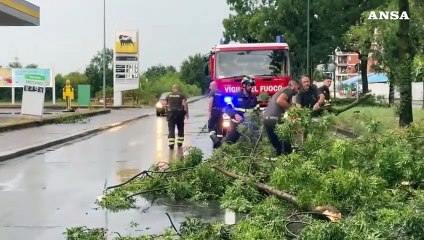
pixel 215 107
pixel 177 111
pixel 243 101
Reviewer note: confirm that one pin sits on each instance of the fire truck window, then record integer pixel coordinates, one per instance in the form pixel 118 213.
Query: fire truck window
pixel 252 62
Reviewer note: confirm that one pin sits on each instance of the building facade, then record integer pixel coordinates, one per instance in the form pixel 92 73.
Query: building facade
pixel 348 64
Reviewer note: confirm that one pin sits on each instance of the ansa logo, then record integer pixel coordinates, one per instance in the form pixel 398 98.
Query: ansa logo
pixel 392 15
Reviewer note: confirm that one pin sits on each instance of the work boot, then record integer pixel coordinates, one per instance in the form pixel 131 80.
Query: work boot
pixel 217 144
pixel 179 145
pixel 216 141
pixel 171 147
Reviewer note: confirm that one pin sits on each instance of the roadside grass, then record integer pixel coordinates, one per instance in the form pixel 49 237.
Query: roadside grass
pixel 355 119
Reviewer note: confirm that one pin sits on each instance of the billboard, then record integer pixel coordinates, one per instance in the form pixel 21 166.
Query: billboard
pixel 5 77
pixel 18 75
pixel 126 42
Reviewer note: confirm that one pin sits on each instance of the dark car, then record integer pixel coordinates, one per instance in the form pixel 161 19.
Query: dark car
pixel 161 107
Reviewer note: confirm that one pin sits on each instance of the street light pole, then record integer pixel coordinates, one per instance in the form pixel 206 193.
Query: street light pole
pixel 307 43
pixel 104 53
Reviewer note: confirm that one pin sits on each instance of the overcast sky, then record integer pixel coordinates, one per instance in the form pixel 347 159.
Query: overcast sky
pixel 71 32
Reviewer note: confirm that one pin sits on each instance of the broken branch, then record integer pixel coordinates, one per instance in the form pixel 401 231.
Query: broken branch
pixel 329 211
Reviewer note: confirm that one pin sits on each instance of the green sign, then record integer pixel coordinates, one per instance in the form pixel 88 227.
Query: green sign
pixel 33 76
pixel 84 98
pixel 35 79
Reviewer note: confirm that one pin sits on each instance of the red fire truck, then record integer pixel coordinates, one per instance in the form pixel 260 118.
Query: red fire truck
pixel 267 63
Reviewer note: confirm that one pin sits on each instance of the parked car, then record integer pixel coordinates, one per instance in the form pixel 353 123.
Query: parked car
pixel 161 106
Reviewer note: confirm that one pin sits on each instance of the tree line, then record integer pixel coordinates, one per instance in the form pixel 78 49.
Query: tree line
pixel 152 82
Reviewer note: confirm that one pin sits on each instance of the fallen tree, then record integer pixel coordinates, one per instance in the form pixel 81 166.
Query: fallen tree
pixel 337 110
pixel 362 179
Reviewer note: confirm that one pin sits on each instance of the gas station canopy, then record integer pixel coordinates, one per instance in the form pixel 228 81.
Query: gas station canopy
pixel 19 13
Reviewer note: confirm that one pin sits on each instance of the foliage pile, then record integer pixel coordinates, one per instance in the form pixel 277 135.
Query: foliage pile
pixel 375 181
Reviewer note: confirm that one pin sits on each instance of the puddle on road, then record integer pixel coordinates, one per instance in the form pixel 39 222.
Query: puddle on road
pixel 151 218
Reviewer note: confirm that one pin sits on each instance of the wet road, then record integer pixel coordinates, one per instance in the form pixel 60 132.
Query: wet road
pixel 44 193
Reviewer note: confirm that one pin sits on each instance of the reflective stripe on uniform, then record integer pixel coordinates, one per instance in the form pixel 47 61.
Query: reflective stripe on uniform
pixel 271 117
pixel 171 140
pixel 247 110
pixel 180 139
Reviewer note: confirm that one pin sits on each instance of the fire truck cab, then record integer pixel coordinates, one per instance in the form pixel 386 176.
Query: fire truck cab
pixel 267 63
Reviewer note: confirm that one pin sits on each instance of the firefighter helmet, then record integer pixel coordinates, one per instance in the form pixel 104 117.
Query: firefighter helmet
pixel 248 80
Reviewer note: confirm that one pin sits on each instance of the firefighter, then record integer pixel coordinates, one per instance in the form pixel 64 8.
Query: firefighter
pixel 177 111
pixel 309 96
pixel 273 114
pixel 215 108
pixel 244 101
pixel 325 89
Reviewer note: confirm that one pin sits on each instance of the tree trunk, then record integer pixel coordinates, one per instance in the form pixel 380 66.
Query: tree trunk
pixel 364 73
pixel 339 110
pixel 404 76
pixel 391 89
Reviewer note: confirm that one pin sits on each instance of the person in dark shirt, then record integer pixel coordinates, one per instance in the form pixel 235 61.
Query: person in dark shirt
pixel 309 96
pixel 178 110
pixel 216 106
pixel 273 114
pixel 325 89
pixel 243 102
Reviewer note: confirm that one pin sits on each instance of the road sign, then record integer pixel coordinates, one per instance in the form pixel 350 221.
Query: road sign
pixel 33 94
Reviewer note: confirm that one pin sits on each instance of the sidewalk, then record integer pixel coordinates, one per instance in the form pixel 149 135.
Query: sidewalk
pixel 12 120
pixel 20 142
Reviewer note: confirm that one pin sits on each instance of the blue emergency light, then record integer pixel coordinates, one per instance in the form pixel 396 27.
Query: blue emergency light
pixel 280 39
pixel 228 99
pixel 223 40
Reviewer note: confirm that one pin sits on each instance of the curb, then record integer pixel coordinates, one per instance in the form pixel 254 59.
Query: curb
pixel 50 120
pixel 32 149
pixel 346 133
